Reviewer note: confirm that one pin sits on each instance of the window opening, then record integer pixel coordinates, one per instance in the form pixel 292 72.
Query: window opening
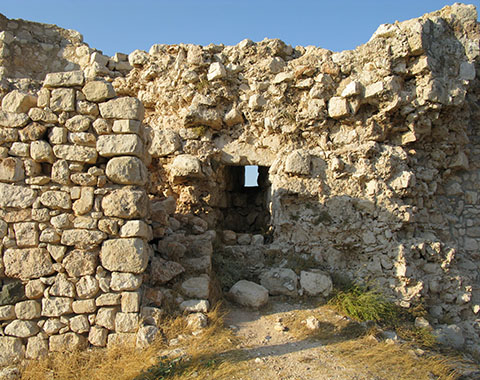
pixel 251 176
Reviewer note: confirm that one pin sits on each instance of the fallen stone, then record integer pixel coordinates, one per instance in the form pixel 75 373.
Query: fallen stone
pixel 215 71
pixel 250 294
pixel 338 107
pixel 146 336
pixel 195 306
pixel 316 283
pixel 280 281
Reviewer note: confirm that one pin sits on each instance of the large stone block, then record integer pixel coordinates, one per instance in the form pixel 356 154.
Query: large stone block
pixel 67 342
pixel 21 329
pixel 120 145
pixel 82 238
pixel 78 123
pixel 20 102
pixel 127 171
pixel 249 294
pixel 76 153
pixel 27 263
pixel 280 281
pixel 13 120
pixel 316 283
pixel 56 306
pixel 122 108
pixel 80 263
pixel 125 255
pixel 63 99
pixel 64 79
pixel 56 200
pixel 12 350
pixel 16 196
pixel 163 142
pixel 11 169
pixel 196 287
pixel 298 162
pixel 125 281
pixel 126 203
pixel 98 91
pixel 37 347
pixel 186 165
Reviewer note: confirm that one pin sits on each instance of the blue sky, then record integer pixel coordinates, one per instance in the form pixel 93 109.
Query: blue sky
pixel 125 25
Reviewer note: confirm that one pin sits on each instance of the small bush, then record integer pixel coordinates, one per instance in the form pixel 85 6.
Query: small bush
pixel 363 304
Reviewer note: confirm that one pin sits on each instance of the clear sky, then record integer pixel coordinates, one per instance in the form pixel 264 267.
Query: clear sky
pixel 125 25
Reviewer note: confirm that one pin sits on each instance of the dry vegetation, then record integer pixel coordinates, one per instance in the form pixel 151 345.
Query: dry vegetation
pixel 216 353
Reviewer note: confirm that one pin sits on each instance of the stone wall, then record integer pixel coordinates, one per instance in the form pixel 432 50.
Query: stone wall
pixel 369 162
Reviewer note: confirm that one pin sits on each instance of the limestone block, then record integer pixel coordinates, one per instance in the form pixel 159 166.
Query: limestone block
pixel 122 108
pixel 19 149
pixel 28 310
pixel 82 138
pixel 64 79
pixel 280 281
pixel 198 116
pixel 102 127
pixel 196 287
pixel 256 102
pixel 41 151
pixel 126 322
pixel 79 324
pixel 32 132
pixel 125 281
pixel 16 196
pixel 130 302
pixel 249 294
pixel 108 299
pixel 136 228
pixel 76 153
pixel 338 107
pixel 84 306
pixel 53 326
pixel 126 171
pixel 186 165
pixel 373 90
pixel 27 263
pixel 146 336
pixel 26 234
pixel 7 312
pixel 126 126
pixel 56 200
pixel 120 145
pixel 13 120
pixel 34 289
pixel 12 351
pixel 283 77
pixel 98 91
pixel 316 283
pixel 125 255
pixel 82 238
pixel 298 162
pixel 43 115
pixel 19 102
pixel 121 340
pixel 80 263
pixel 216 71
pixel 352 89
pixel 163 142
pixel 98 336
pixel 62 287
pixel 126 203
pixel 11 169
pixel 21 329
pixel 63 99
pixel 138 57
pixel 57 135
pixel 87 287
pixel 162 271
pixel 106 317
pixel 56 306
pixel 233 117
pixel 37 347
pixel 67 342
pixel 78 123
pixel 85 203
pixel 83 179
pixel 195 306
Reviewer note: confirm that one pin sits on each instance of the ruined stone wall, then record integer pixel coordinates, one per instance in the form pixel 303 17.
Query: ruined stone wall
pixel 369 162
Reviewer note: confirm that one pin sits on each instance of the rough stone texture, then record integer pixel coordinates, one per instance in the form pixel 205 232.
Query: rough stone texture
pixel 64 79
pixel 280 281
pixel 37 347
pixel 67 342
pixel 28 310
pixel 315 283
pixel 98 336
pixel 27 263
pixel 249 294
pixel 16 196
pixel 122 108
pixel 126 171
pixel 98 91
pixel 146 336
pixel 196 287
pixel 21 329
pixel 11 170
pixel 76 153
pixel 120 145
pixel 18 102
pixel 82 238
pixel 80 263
pixel 126 203
pixel 7 312
pixel 11 350
pixel 162 271
pixel 56 306
pixel 125 281
pixel 163 142
pixel 125 255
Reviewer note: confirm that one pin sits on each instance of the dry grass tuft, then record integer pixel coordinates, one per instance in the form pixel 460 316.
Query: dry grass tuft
pixel 394 361
pixel 208 355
